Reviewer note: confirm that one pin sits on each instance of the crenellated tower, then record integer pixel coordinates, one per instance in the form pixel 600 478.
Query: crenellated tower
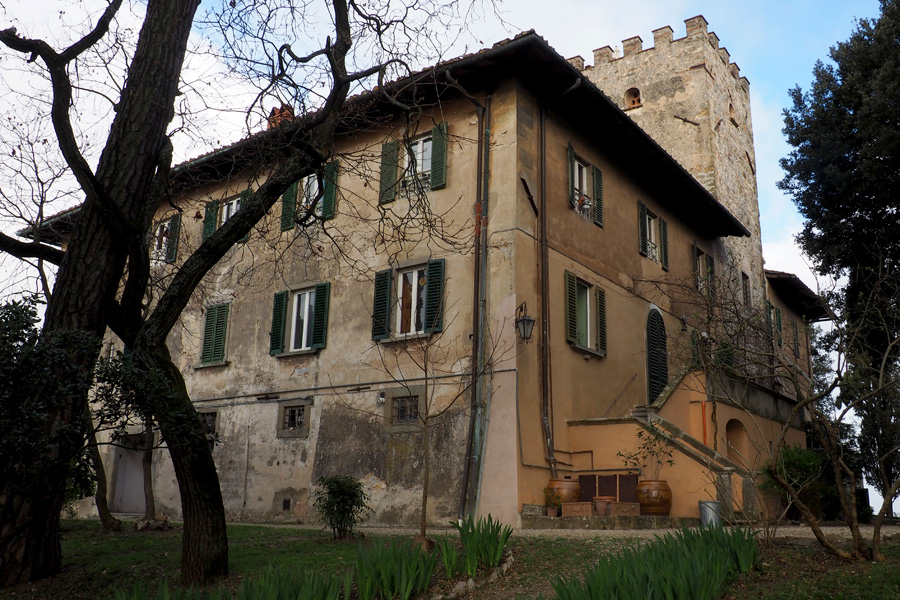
pixel 688 95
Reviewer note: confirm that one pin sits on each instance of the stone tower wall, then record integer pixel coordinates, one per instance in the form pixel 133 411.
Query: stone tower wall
pixel 695 104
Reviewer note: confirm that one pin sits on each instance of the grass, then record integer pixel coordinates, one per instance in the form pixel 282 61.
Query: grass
pixel 95 563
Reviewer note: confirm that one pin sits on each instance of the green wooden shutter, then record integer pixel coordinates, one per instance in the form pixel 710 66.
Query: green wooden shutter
pixel 245 195
pixel 209 332
pixel 214 332
pixel 778 326
pixel 172 238
pixel 330 194
pixel 434 296
pixel 657 359
pixel 390 152
pixel 381 306
pixel 571 156
pixel 769 309
pixel 601 321
pixel 571 308
pixel 218 346
pixel 279 316
pixel 642 228
pixel 664 244
pixel 711 274
pixel 796 336
pixel 210 218
pixel 320 315
pixel 598 197
pixel 439 156
pixel 289 207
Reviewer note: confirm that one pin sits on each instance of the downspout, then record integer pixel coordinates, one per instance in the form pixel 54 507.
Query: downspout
pixel 471 444
pixel 545 303
pixel 482 391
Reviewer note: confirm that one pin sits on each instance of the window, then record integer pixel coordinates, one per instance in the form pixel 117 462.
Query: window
pixel 423 164
pixel 632 98
pixel 404 408
pixel 217 213
pixel 585 188
pixel 415 294
pixel 210 420
pixel 654 236
pixel 704 271
pixel 585 315
pixel 165 240
pixel 745 287
pixel 214 334
pixel 300 319
pixel 657 356
pixel 293 417
pixel 308 187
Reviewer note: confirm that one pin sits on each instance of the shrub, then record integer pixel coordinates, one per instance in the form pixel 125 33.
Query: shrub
pixel 342 503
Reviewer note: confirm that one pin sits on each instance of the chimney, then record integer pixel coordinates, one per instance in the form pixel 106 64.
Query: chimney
pixel 632 45
pixel 277 116
pixel 661 36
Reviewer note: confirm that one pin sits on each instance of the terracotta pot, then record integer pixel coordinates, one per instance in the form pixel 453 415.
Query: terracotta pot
pixel 569 490
pixel 655 497
pixel 601 505
pixel 552 511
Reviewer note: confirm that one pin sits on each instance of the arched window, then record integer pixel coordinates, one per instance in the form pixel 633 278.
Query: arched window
pixel 657 357
pixel 632 98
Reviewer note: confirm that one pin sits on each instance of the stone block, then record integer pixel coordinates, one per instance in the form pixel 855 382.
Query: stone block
pixel 577 509
pixel 625 509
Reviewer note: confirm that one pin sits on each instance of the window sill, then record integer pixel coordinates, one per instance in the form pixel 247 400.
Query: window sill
pixel 210 365
pixel 404 337
pixel 307 352
pixel 292 433
pixel 404 428
pixel 588 352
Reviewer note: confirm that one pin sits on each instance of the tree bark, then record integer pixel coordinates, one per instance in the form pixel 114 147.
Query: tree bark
pixel 110 523
pixel 147 465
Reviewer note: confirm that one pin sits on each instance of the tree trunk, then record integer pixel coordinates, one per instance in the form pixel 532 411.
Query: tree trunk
pixel 30 547
pixel 110 523
pixel 204 554
pixel 147 465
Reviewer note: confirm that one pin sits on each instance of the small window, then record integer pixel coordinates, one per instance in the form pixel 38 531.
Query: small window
pixel 585 188
pixel 229 209
pixel 404 409
pixel 408 301
pixel 164 247
pixel 704 271
pixel 585 315
pixel 210 422
pixel 293 417
pixel 300 319
pixel 632 98
pixel 308 190
pixel 217 213
pixel 214 334
pixel 654 236
pixel 422 165
pixel 411 303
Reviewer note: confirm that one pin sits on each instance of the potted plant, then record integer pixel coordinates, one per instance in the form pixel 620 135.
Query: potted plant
pixel 553 501
pixel 653 451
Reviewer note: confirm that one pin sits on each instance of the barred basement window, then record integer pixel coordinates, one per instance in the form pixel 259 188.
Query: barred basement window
pixel 405 409
pixel 210 425
pixel 293 417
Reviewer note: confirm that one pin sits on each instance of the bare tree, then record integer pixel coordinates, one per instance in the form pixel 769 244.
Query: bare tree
pixel 104 273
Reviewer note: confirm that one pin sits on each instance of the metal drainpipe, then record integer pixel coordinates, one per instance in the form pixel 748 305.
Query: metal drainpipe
pixel 483 394
pixel 476 333
pixel 545 303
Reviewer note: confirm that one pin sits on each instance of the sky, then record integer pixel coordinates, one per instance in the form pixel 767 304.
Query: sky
pixel 775 43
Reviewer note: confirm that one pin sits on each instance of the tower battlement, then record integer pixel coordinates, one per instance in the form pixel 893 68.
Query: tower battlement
pixel 690 97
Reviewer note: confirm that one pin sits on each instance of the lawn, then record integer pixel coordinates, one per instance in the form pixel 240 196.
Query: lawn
pixel 96 563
